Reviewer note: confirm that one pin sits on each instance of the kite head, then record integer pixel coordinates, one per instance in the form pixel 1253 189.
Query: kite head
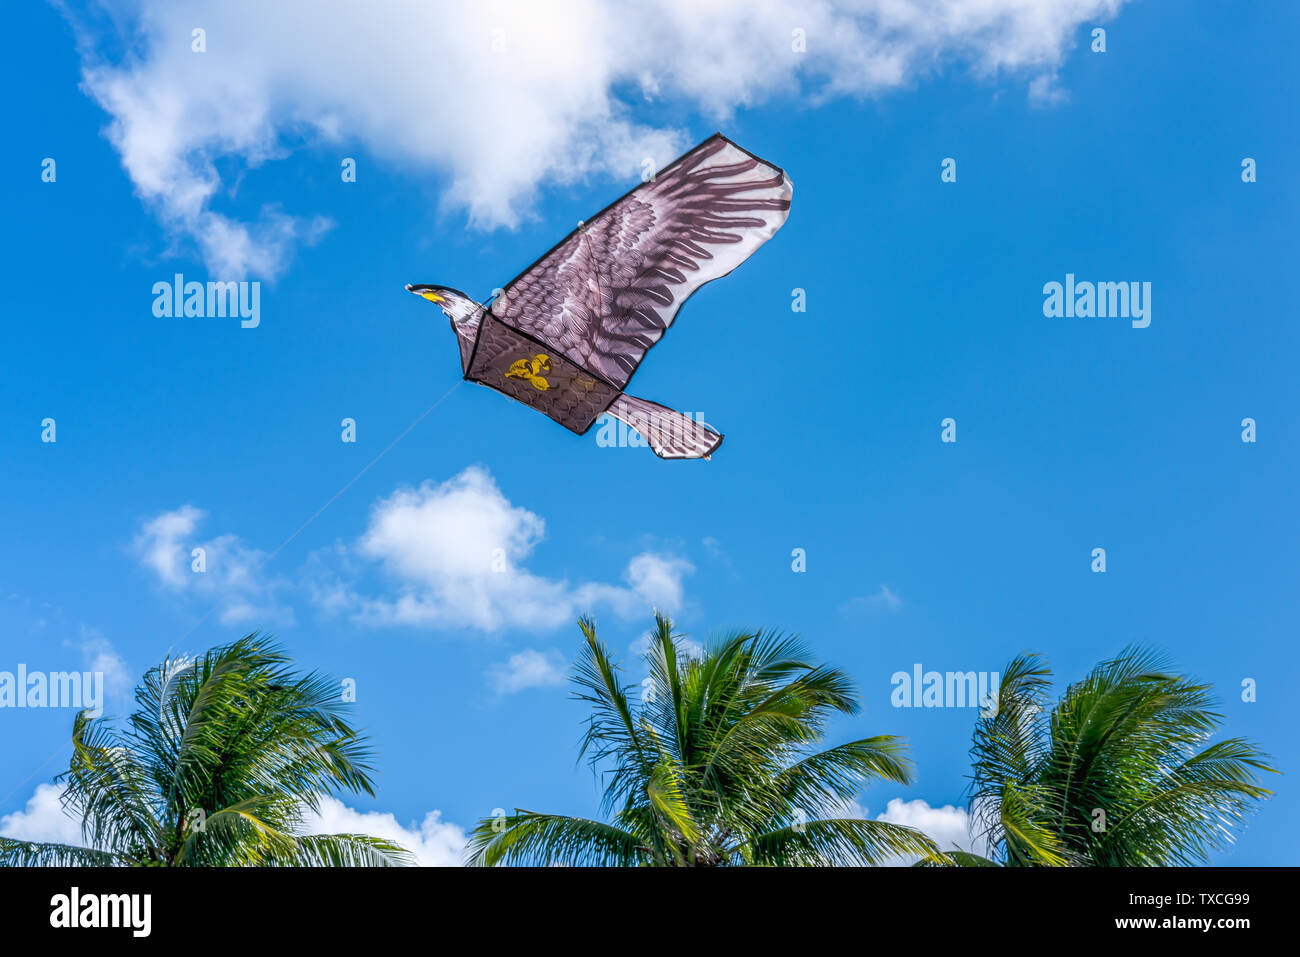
pixel 457 306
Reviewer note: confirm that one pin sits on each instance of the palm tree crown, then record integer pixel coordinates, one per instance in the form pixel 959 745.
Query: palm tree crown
pixel 218 766
pixel 1119 773
pixel 714 765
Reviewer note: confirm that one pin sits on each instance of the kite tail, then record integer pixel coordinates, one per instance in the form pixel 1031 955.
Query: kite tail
pixel 671 434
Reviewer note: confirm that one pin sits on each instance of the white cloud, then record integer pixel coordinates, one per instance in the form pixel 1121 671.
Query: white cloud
pixel 456 553
pixel 657 580
pixel 948 826
pixel 100 656
pixel 883 598
pixel 434 842
pixel 232 578
pixel 1045 90
pixel 44 819
pixel 527 669
pixel 498 96
pixel 160 544
pixel 439 843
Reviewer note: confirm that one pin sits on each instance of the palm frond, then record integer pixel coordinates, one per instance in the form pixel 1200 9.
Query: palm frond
pixel 956 858
pixel 840 773
pixel 535 839
pixel 844 842
pixel 221 761
pixel 1120 772
pixel 15 853
pixel 346 850
pixel 713 767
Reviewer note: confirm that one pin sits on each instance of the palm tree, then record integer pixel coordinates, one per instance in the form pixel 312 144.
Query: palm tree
pixel 713 765
pixel 1119 773
pixel 218 766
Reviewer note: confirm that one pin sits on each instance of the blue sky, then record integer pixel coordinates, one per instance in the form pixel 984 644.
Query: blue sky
pixel 924 301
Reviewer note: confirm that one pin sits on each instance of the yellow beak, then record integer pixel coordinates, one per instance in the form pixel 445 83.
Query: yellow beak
pixel 432 296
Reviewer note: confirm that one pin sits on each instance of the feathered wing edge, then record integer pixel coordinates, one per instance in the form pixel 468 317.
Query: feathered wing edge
pixel 714 206
pixel 671 434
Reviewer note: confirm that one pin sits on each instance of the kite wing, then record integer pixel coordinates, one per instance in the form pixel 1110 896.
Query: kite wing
pixel 610 289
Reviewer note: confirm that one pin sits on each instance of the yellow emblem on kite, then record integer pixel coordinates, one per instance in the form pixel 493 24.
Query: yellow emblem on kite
pixel 581 383
pixel 530 370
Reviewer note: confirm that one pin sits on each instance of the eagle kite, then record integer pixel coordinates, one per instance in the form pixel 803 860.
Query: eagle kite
pixel 567 334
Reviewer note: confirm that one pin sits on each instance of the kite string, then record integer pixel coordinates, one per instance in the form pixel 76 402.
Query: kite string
pixel 274 552
pixel 38 770
pixel 333 498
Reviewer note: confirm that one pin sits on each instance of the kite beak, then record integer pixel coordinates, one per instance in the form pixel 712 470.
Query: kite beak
pixel 424 292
